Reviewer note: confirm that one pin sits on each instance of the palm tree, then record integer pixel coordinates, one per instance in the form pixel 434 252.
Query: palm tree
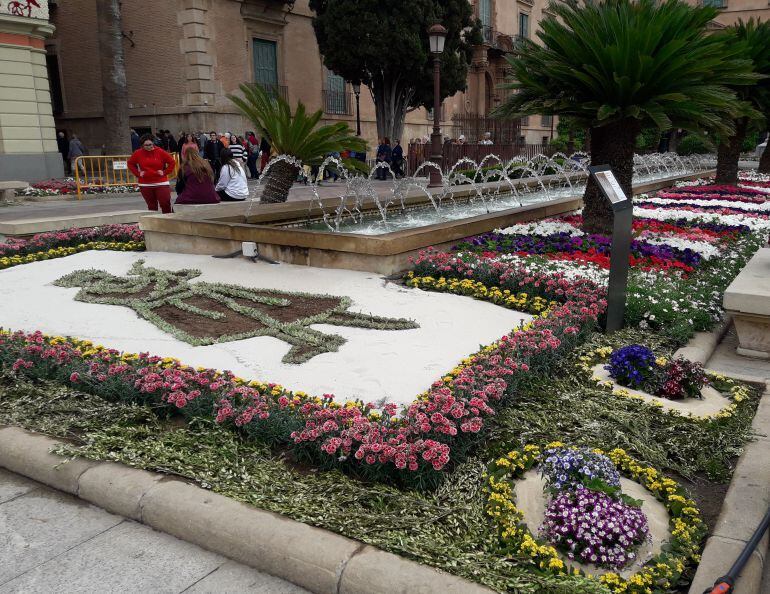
pixel 113 71
pixel 756 42
pixel 620 65
pixel 292 135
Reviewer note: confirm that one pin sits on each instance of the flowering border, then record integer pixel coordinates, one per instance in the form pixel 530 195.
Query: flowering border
pixel 61 252
pixel 664 570
pixel 737 392
pixel 445 419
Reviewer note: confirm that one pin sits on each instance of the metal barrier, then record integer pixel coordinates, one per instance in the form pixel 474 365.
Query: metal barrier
pixel 107 171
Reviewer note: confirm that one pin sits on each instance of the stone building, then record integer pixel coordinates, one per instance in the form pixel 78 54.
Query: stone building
pixel 28 150
pixel 731 11
pixel 184 56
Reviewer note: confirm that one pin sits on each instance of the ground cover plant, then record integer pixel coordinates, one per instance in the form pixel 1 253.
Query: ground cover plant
pixel 57 244
pixel 282 451
pixel 68 186
pixel 207 313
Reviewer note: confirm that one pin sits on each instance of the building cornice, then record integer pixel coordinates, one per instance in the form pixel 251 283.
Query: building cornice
pixel 26 26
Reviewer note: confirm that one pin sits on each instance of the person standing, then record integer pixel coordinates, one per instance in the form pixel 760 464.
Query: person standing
pixel 197 179
pixel 213 152
pixel 186 142
pixel 134 140
pixel 63 146
pixel 398 160
pixel 384 155
pixel 252 156
pixel 232 185
pixel 152 165
pixel 264 147
pixel 236 148
pixel 76 149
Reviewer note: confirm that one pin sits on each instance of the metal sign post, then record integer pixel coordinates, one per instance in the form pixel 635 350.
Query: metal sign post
pixel 623 211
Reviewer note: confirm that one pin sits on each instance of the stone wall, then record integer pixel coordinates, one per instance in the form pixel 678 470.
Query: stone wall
pixel 28 150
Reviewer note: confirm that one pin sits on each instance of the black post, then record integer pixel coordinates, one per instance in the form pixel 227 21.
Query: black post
pixel 623 209
pixel 358 114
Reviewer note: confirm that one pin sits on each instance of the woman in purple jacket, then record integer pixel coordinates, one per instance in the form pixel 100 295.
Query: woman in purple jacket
pixel 198 180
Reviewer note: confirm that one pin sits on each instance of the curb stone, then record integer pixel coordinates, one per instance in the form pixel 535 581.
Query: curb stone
pixel 313 558
pixel 744 506
pixel 701 346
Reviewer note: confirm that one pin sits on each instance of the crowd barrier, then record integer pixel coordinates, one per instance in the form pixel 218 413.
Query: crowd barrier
pixel 106 171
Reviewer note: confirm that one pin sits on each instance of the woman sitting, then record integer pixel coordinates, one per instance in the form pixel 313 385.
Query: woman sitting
pixel 197 179
pixel 232 185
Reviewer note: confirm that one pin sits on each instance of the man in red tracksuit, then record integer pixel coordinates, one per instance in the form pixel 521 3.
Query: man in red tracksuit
pixel 152 165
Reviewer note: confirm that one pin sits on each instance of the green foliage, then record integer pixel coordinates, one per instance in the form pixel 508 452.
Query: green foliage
pixel 755 44
pixel 296 134
pixel 607 61
pixel 648 139
pixel 567 126
pixel 694 144
pixel 384 45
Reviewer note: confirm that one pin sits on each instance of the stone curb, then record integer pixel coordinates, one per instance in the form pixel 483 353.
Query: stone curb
pixel 703 344
pixel 744 506
pixel 315 559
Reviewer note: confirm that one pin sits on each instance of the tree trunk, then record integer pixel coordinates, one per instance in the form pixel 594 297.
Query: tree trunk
pixel 764 160
pixel 390 104
pixel 113 68
pixel 611 145
pixel 278 181
pixel 729 153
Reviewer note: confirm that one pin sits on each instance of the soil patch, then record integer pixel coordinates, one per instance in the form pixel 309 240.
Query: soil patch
pixel 299 308
pixel 203 327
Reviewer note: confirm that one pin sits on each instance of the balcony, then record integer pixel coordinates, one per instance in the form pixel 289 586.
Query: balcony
pixel 337 102
pixel 500 42
pixel 275 90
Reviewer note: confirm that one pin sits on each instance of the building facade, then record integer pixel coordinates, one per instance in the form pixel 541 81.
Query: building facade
pixel 731 11
pixel 28 149
pixel 184 56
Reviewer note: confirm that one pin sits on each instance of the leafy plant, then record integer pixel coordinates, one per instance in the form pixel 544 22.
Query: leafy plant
pixel 617 66
pixel 295 135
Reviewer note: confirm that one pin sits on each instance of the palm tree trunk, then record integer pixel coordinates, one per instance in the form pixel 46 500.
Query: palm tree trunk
pixel 113 68
pixel 764 160
pixel 278 182
pixel 611 145
pixel 729 153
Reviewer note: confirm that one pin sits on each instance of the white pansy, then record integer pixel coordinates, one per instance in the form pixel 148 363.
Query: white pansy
pixel 541 229
pixel 737 204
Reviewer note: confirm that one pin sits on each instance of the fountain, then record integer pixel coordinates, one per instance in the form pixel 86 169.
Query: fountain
pixel 376 226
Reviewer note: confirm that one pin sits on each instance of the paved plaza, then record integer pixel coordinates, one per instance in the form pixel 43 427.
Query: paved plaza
pixel 54 543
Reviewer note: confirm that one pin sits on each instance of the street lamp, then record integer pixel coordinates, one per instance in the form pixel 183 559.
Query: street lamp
pixel 437 37
pixel 357 91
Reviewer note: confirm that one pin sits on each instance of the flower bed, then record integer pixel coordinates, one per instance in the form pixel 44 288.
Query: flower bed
pixel 662 572
pixel 443 421
pixel 60 187
pixel 57 244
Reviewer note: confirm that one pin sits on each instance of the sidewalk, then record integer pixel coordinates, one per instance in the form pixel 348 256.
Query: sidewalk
pixel 69 206
pixel 52 542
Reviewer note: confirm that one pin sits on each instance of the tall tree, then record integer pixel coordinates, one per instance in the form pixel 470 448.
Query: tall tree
pixel 384 45
pixel 755 99
pixel 620 65
pixel 113 70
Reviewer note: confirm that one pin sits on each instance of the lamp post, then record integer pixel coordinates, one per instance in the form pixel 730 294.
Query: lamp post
pixel 437 35
pixel 357 91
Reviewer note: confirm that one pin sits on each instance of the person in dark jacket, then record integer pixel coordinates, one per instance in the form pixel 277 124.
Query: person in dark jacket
pixel 398 160
pixel 264 146
pixel 63 145
pixel 134 140
pixel 198 179
pixel 212 151
pixel 384 155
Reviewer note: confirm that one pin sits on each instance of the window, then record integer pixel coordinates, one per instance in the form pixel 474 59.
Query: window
pixel 485 16
pixel 545 140
pixel 522 140
pixel 715 3
pixel 525 121
pixel 265 63
pixel 336 96
pixel 523 25
pixel 546 121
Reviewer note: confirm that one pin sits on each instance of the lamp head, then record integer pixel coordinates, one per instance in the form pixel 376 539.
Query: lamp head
pixel 437 35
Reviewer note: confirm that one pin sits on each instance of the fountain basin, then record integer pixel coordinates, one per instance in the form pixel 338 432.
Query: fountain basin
pixel 275 228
